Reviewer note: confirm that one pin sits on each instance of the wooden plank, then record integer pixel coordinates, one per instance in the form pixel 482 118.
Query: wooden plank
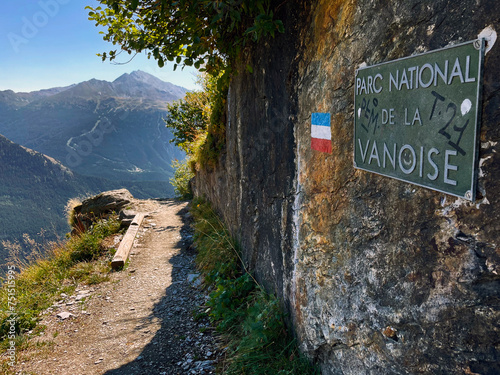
pixel 123 251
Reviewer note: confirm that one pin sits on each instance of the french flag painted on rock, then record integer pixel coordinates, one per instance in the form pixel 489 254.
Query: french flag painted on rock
pixel 321 135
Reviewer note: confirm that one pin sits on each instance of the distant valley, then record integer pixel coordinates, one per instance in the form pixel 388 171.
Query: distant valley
pixel 78 140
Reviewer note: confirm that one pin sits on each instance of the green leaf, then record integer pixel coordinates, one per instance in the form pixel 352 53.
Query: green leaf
pixel 281 28
pixel 134 4
pixel 216 19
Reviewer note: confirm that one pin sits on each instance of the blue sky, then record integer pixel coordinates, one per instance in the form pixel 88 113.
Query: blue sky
pixel 51 43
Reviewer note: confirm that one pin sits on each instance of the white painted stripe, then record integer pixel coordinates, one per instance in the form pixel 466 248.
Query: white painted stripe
pixel 321 132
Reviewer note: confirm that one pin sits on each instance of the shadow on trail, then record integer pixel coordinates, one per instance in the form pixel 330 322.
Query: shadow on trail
pixel 179 346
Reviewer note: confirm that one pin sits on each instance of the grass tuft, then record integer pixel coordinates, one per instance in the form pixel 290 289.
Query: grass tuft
pixel 217 252
pixel 249 319
pixel 37 285
pixel 70 211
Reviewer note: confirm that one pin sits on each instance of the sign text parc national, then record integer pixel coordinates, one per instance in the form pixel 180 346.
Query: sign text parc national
pixel 417 118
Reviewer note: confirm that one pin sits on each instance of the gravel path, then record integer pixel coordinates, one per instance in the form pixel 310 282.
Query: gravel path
pixel 143 321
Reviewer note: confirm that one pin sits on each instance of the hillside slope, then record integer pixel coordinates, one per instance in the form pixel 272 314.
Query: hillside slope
pixel 35 188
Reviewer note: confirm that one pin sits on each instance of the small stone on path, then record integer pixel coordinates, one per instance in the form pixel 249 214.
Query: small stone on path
pixel 64 315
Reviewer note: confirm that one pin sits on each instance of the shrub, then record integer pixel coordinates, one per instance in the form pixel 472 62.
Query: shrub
pixel 198 124
pixel 251 320
pixel 188 118
pixel 206 34
pixel 181 180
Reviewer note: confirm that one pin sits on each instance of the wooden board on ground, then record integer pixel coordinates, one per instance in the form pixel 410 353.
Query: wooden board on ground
pixel 123 251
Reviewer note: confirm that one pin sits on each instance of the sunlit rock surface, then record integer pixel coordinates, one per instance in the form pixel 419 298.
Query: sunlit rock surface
pixel 378 276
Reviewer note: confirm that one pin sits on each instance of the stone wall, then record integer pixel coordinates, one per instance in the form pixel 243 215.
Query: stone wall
pixel 378 276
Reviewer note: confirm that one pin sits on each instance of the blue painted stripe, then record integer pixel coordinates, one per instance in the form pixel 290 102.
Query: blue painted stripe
pixel 321 119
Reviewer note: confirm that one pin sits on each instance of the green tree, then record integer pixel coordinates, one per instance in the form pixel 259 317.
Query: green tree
pixel 202 33
pixel 188 118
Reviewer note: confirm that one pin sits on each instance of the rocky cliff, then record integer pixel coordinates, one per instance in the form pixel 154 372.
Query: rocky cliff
pixel 378 276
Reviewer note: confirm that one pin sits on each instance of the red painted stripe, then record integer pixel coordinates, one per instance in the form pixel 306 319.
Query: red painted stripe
pixel 323 145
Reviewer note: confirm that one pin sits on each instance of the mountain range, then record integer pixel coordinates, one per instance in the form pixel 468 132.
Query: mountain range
pixel 98 128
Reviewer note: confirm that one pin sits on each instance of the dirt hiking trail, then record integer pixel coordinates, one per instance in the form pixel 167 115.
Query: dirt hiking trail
pixel 141 322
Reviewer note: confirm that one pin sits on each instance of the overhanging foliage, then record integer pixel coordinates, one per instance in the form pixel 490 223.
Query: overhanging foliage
pixel 202 33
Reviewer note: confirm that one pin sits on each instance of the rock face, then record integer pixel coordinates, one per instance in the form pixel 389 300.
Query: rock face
pixel 378 276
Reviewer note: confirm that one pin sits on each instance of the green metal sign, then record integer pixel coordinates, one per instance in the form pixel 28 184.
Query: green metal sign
pixel 417 118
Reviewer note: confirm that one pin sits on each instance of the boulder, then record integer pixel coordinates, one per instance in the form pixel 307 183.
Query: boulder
pixel 102 206
pixel 106 202
pixel 126 216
